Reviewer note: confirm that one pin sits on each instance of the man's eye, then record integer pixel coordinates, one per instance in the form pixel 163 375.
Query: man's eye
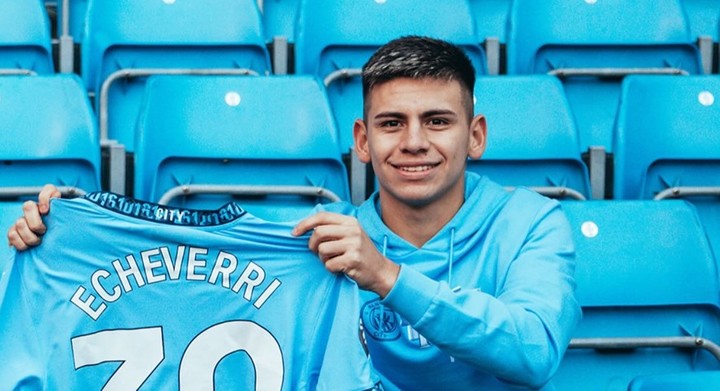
pixel 391 124
pixel 438 121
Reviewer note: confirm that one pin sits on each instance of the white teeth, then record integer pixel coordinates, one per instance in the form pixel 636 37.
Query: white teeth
pixel 416 168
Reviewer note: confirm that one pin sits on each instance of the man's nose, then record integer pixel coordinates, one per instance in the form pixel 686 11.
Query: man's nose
pixel 415 139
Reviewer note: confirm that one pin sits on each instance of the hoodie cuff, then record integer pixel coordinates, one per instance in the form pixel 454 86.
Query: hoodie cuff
pixel 412 294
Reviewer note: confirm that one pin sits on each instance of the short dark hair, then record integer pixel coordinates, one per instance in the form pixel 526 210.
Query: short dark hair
pixel 419 57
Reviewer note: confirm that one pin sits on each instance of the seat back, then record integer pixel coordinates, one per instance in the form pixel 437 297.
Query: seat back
pixel 164 36
pixel 591 45
pixel 25 42
pixel 667 135
pixel 328 41
pixel 539 149
pixel 48 133
pixel 234 132
pixel 668 143
pixel 644 271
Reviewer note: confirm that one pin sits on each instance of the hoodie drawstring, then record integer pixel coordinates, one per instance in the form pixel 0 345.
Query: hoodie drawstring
pixel 451 256
pixel 385 242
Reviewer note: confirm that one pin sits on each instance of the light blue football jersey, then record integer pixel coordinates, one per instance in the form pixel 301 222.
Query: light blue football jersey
pixel 126 295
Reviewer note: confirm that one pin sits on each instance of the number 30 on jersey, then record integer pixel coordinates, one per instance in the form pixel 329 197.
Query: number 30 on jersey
pixel 141 351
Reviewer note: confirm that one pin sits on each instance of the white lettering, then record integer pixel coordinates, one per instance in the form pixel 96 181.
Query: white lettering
pixel 247 278
pixel 173 268
pixel 86 305
pixel 221 269
pixel 158 265
pixel 132 270
pixel 195 262
pixel 104 294
pixel 266 293
pixel 149 265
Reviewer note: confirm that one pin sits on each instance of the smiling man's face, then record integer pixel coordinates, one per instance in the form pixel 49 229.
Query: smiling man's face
pixel 418 136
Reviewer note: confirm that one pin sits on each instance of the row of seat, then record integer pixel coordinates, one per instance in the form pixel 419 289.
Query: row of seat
pixel 648 284
pixel 586 52
pixel 666 136
pixel 491 17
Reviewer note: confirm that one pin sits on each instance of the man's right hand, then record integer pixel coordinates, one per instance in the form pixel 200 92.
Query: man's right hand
pixel 28 229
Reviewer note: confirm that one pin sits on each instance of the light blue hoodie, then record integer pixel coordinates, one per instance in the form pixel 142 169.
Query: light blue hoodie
pixel 486 304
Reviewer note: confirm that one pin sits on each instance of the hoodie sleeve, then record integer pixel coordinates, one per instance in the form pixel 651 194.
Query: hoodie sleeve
pixel 519 334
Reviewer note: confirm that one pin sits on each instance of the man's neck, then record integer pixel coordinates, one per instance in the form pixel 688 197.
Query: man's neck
pixel 417 225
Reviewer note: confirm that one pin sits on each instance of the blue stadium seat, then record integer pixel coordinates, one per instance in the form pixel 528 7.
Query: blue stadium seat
pixel 592 44
pixel 48 135
pixel 334 39
pixel 124 41
pixel 648 285
pixel 25 42
pixel 270 140
pixel 668 143
pixel 685 381
pixel 532 139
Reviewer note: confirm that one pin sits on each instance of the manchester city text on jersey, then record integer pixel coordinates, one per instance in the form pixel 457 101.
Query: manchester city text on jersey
pixel 158 265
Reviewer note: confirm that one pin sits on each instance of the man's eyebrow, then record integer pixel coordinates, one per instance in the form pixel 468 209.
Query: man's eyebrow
pixel 429 113
pixel 432 113
pixel 390 114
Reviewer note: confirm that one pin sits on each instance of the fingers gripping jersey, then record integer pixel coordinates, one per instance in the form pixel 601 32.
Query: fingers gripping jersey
pixel 126 295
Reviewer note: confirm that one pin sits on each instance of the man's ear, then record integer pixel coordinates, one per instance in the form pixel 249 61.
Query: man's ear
pixel 361 141
pixel 478 137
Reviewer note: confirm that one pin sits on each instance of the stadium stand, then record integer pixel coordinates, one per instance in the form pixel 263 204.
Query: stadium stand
pixel 648 285
pixel 127 41
pixel 538 150
pixel 268 141
pixel 48 136
pixel 668 143
pixel 49 133
pixel 590 45
pixel 25 42
pixel 647 278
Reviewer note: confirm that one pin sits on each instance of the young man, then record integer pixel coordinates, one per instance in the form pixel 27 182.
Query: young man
pixel 468 286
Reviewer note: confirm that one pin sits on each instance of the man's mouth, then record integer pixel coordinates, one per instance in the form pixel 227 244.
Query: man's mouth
pixel 416 168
